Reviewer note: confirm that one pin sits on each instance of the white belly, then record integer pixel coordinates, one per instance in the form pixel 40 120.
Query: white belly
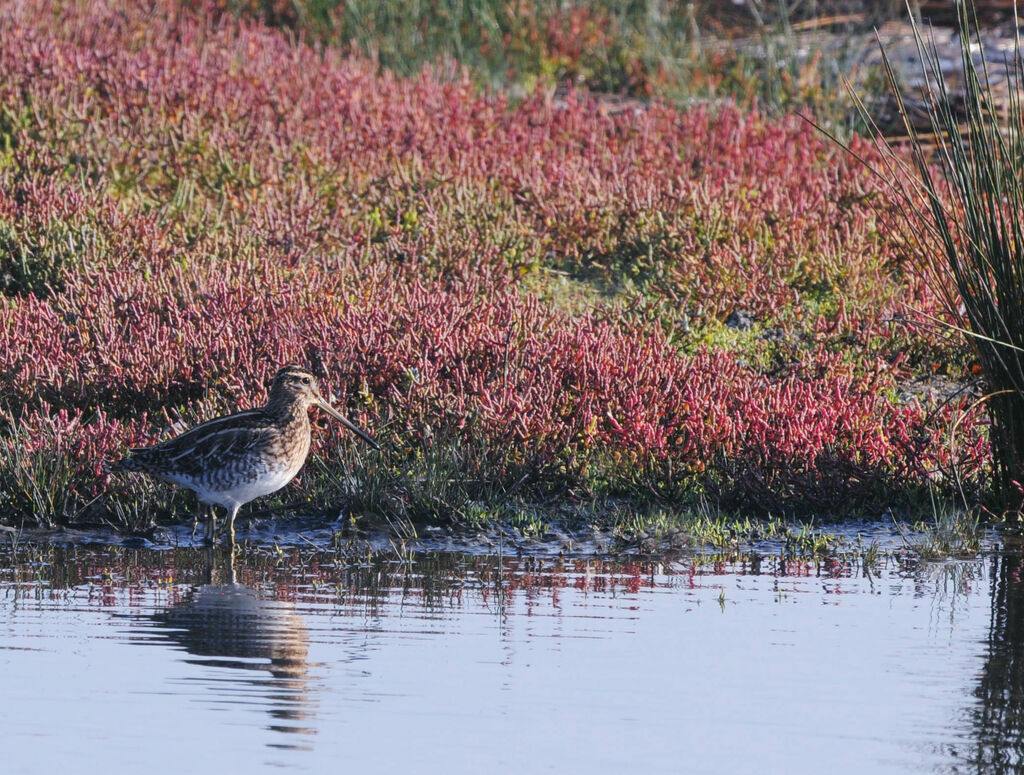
pixel 258 485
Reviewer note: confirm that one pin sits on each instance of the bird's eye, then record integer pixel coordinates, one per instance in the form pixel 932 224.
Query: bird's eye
pixel 305 380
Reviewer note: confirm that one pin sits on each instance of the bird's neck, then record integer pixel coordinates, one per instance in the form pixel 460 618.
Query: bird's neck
pixel 287 409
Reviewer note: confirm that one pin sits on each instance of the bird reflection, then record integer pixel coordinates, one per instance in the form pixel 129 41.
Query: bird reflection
pixel 228 625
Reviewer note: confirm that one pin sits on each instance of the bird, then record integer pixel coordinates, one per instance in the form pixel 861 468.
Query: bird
pixel 234 459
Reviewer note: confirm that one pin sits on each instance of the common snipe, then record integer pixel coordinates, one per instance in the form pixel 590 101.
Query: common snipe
pixel 232 460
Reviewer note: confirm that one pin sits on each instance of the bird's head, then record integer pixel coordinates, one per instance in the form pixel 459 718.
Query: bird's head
pixel 294 383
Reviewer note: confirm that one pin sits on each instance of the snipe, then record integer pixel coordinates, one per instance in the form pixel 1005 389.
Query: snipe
pixel 232 460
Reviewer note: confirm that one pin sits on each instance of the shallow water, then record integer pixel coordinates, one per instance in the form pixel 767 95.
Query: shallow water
pixel 115 660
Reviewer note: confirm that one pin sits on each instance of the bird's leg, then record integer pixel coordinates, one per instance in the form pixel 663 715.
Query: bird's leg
pixel 229 568
pixel 231 523
pixel 211 526
pixel 195 519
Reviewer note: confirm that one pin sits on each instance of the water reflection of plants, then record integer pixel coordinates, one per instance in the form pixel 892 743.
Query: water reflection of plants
pixel 997 720
pixel 319 580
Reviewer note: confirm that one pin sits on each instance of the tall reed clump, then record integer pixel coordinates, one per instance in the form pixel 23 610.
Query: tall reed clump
pixel 963 213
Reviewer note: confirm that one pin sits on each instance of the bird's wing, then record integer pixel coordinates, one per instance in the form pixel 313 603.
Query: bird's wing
pixel 212 445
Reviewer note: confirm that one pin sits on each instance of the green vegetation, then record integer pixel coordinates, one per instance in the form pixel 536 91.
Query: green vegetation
pixel 762 52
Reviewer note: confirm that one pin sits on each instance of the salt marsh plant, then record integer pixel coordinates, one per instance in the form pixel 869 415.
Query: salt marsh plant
pixel 257 196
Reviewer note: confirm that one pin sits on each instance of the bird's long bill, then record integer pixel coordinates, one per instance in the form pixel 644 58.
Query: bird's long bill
pixel 348 423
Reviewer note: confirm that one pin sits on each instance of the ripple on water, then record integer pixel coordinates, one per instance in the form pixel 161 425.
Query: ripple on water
pixel 303 660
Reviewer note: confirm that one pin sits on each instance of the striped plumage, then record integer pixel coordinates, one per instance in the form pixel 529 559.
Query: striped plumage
pixel 232 460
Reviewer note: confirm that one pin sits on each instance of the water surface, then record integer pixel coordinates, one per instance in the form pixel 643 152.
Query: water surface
pixel 115 660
